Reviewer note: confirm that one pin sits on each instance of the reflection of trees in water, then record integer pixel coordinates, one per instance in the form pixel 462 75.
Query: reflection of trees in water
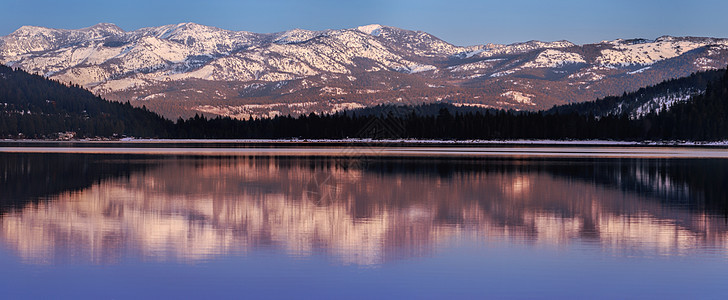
pixel 691 183
pixel 695 184
pixel 26 177
pixel 383 209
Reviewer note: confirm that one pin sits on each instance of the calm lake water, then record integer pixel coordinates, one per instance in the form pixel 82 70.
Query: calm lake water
pixel 361 222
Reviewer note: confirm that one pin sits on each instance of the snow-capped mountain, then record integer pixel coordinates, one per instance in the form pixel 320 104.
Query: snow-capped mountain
pixel 189 68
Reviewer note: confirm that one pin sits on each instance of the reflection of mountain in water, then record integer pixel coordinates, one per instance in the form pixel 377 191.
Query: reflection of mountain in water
pixel 197 208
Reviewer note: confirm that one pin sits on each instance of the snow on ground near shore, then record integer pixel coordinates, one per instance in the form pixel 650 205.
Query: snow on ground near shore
pixel 385 142
pixel 458 142
pixel 360 148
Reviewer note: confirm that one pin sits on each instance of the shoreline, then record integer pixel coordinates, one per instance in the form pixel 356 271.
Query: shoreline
pixel 371 142
pixel 361 148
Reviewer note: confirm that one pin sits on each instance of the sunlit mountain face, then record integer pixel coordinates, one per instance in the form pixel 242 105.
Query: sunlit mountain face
pixel 102 209
pixel 186 69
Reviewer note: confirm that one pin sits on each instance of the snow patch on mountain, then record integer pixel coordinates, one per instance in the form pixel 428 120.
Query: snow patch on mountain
pixel 502 73
pixel 274 109
pixel 327 90
pixel 123 84
pixel 470 53
pixel 647 52
pixel 519 97
pixel 639 70
pixel 297 36
pixel 153 96
pixel 478 105
pixel 417 68
pixel 478 65
pixel 494 50
pixel 373 29
pixel 201 39
pixel 587 76
pixel 551 58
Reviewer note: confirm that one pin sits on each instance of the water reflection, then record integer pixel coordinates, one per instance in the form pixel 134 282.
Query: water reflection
pixel 104 209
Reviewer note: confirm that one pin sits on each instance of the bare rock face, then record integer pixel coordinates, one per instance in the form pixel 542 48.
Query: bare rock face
pixel 183 69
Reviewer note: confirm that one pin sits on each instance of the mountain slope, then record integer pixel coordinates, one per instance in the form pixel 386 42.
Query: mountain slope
pixel 34 107
pixel 651 99
pixel 184 69
pixel 704 117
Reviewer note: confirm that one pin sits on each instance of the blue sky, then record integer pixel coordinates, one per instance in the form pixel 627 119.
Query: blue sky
pixel 461 22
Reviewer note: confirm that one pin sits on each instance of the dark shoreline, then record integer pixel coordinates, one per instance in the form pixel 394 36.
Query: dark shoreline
pixel 256 143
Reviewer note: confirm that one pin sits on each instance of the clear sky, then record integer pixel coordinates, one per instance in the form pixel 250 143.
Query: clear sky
pixel 461 22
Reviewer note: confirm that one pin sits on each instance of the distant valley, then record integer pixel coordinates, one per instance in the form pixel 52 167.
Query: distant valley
pixel 187 69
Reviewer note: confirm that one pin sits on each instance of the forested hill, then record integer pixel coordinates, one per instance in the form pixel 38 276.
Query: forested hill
pixel 32 106
pixel 704 117
pixel 651 99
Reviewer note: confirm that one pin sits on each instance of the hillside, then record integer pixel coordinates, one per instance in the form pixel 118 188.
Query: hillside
pixel 32 106
pixel 186 69
pixel 651 99
pixel 35 107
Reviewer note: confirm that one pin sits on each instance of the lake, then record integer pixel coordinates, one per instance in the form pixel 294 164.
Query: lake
pixel 144 220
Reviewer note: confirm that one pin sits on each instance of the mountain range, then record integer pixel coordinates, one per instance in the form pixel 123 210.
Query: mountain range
pixel 185 69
